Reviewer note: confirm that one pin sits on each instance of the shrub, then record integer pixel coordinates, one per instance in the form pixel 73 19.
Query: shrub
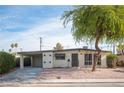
pixel 111 60
pixel 7 62
pixel 120 63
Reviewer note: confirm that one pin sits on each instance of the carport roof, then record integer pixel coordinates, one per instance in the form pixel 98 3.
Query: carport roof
pixel 40 52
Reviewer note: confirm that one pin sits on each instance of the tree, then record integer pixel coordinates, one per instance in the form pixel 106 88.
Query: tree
pixel 10 50
pixel 12 45
pixel 97 23
pixel 58 47
pixel 16 45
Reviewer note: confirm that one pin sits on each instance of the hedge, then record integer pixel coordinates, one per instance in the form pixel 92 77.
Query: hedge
pixel 111 60
pixel 7 62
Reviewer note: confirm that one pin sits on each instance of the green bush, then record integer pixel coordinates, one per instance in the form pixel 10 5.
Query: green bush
pixel 7 62
pixel 111 60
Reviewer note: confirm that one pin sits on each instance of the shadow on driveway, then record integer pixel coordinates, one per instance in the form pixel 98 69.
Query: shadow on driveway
pixel 21 75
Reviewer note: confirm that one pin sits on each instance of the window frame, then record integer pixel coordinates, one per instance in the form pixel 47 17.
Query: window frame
pixel 88 59
pixel 60 56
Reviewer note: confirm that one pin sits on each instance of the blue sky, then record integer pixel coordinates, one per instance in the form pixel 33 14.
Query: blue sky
pixel 25 24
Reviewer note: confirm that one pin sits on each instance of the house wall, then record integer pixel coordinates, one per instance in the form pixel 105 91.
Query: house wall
pixel 47 59
pixel 120 58
pixel 103 60
pixel 63 63
pixel 82 59
pixel 37 61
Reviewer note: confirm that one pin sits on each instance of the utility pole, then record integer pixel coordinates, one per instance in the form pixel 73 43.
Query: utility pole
pixel 40 43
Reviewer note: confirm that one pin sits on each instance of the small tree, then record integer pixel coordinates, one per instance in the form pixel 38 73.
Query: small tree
pixel 58 47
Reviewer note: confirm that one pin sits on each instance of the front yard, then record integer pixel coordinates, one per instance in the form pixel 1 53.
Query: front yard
pixel 62 73
pixel 82 73
pixel 39 75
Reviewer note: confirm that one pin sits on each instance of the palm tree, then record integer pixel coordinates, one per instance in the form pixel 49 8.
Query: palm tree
pixel 12 45
pixel 58 47
pixel 10 50
pixel 16 45
pixel 97 23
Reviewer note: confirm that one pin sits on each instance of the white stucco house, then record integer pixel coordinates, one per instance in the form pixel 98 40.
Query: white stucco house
pixel 77 57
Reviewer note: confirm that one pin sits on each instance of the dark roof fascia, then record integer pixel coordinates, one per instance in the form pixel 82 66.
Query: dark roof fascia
pixel 75 49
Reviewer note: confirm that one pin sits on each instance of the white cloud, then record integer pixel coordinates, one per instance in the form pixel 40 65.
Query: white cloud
pixel 52 31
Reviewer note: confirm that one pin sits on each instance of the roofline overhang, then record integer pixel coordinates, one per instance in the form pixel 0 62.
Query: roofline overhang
pixel 40 52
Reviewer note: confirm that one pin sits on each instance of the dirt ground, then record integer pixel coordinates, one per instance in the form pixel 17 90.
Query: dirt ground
pixel 82 73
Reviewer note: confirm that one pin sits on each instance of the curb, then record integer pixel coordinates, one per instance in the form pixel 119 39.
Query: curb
pixel 82 80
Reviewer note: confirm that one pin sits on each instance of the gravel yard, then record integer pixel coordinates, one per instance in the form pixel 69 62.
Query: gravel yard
pixel 82 73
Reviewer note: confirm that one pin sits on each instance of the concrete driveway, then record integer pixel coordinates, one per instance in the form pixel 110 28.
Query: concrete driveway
pixel 26 75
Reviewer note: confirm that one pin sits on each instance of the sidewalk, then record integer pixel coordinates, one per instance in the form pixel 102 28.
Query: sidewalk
pixel 80 80
pixel 67 83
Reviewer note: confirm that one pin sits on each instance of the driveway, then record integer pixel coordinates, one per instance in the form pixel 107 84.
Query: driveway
pixel 25 75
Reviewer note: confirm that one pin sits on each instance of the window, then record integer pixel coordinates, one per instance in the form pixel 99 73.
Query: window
pixel 99 60
pixel 88 59
pixel 60 56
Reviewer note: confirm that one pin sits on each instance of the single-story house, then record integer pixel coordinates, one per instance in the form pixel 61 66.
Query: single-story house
pixel 77 57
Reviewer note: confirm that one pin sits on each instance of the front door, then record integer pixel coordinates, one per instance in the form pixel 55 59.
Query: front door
pixel 75 61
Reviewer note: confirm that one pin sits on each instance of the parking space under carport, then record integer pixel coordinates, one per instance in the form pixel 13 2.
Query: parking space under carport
pixel 35 58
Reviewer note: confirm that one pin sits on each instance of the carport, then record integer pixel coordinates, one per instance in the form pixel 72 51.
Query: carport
pixel 35 56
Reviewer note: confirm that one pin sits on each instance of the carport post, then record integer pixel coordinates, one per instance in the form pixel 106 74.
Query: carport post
pixel 31 61
pixel 21 62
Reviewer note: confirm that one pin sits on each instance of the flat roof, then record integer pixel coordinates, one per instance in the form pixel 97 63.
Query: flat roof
pixel 40 52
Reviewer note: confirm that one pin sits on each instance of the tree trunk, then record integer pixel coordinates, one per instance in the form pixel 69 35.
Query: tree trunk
pixel 98 52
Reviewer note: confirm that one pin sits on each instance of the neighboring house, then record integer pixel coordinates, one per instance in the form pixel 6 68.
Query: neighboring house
pixel 120 51
pixel 64 58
